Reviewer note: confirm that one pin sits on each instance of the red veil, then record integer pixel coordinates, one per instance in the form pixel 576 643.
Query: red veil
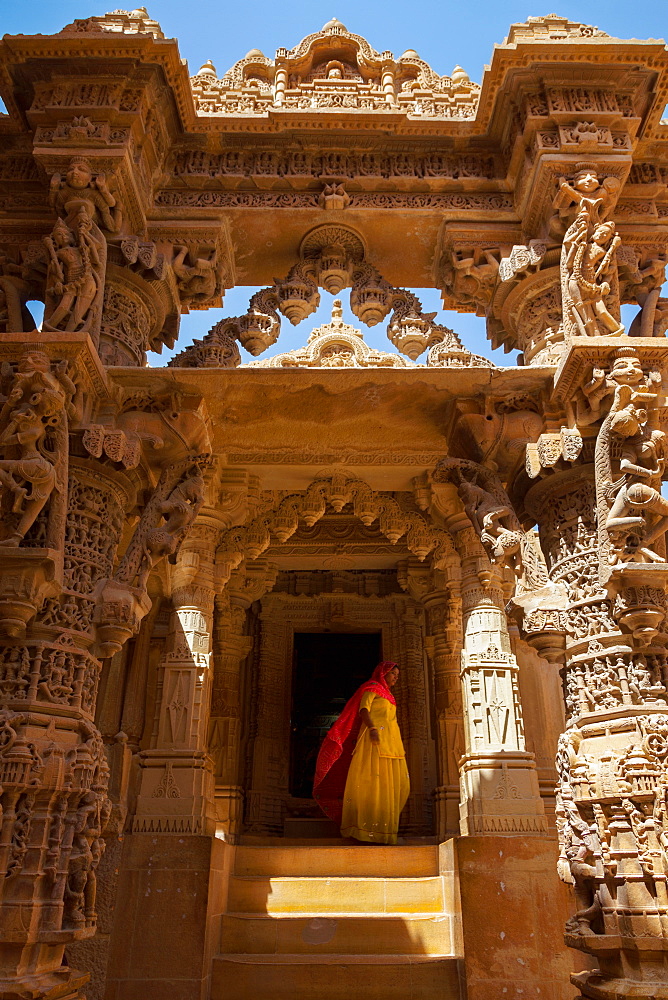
pixel 331 769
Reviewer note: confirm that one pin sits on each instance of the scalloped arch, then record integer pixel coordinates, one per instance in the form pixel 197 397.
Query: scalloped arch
pixel 395 520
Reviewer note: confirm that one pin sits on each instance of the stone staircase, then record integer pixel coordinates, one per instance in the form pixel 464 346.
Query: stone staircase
pixel 340 923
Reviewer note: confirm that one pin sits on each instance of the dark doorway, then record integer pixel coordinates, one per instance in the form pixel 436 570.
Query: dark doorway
pixel 328 668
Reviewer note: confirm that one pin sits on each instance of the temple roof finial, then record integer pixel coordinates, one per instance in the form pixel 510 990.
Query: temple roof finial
pixel 334 23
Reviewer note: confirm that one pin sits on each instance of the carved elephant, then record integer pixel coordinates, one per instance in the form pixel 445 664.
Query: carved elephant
pixel 168 435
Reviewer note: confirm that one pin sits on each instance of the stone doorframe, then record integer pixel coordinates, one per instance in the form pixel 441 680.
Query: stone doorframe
pixel 400 620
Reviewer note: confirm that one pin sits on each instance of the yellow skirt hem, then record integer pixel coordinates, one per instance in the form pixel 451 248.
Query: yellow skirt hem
pixel 369 838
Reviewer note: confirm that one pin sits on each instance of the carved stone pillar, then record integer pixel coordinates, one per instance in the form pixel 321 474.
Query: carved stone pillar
pixel 611 761
pixel 176 794
pixel 499 783
pixel 53 769
pixel 230 648
pixel 443 643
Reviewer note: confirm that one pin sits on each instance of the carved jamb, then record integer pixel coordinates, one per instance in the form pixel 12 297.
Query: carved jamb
pixel 399 619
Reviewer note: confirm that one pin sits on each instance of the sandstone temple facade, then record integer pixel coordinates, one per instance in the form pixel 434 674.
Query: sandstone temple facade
pixel 199 562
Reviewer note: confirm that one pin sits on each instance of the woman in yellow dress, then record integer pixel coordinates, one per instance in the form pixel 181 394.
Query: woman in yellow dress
pixel 361 778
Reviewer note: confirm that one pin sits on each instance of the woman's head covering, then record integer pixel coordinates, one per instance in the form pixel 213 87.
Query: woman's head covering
pixel 331 769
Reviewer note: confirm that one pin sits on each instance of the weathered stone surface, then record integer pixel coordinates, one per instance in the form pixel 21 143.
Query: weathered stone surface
pixel 166 533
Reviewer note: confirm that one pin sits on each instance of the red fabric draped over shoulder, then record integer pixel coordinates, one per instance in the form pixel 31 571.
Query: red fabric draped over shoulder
pixel 331 769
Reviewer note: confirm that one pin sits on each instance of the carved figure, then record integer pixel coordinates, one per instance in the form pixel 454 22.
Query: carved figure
pixel 198 280
pixel 179 510
pixel 588 193
pixel 81 189
pixel 587 269
pixel 471 276
pixel 75 276
pixel 39 401
pixel 578 836
pixel 20 834
pixel 490 519
pixel 643 463
pixel 624 503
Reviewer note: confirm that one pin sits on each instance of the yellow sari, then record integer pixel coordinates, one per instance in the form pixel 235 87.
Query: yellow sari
pixel 377 785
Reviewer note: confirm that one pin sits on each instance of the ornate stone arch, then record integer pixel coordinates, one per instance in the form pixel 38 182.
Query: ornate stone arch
pixel 397 519
pixel 245 571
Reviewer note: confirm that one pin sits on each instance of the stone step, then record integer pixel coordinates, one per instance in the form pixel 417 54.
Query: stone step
pixel 286 894
pixel 379 862
pixel 335 977
pixel 313 934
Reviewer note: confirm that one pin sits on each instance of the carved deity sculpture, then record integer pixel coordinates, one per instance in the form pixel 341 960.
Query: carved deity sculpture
pixel 629 431
pixel 38 403
pixel 77 248
pixel 642 463
pixel 80 188
pixel 75 276
pixel 587 270
pixel 589 285
pixel 587 194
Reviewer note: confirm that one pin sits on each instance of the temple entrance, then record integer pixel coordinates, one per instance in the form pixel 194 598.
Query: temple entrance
pixel 319 636
pixel 327 668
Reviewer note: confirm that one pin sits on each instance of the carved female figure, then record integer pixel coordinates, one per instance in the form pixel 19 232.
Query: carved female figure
pixel 587 260
pixel 80 189
pixel 642 463
pixel 74 277
pixel 591 195
pixel 38 400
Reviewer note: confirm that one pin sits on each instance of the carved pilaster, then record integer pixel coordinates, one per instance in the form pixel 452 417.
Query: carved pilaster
pixel 407 640
pixel 176 792
pixel 133 717
pixel 268 785
pixel 500 792
pixel 230 648
pixel 443 643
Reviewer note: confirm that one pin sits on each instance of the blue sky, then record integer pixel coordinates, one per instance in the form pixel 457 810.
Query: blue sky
pixel 444 34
